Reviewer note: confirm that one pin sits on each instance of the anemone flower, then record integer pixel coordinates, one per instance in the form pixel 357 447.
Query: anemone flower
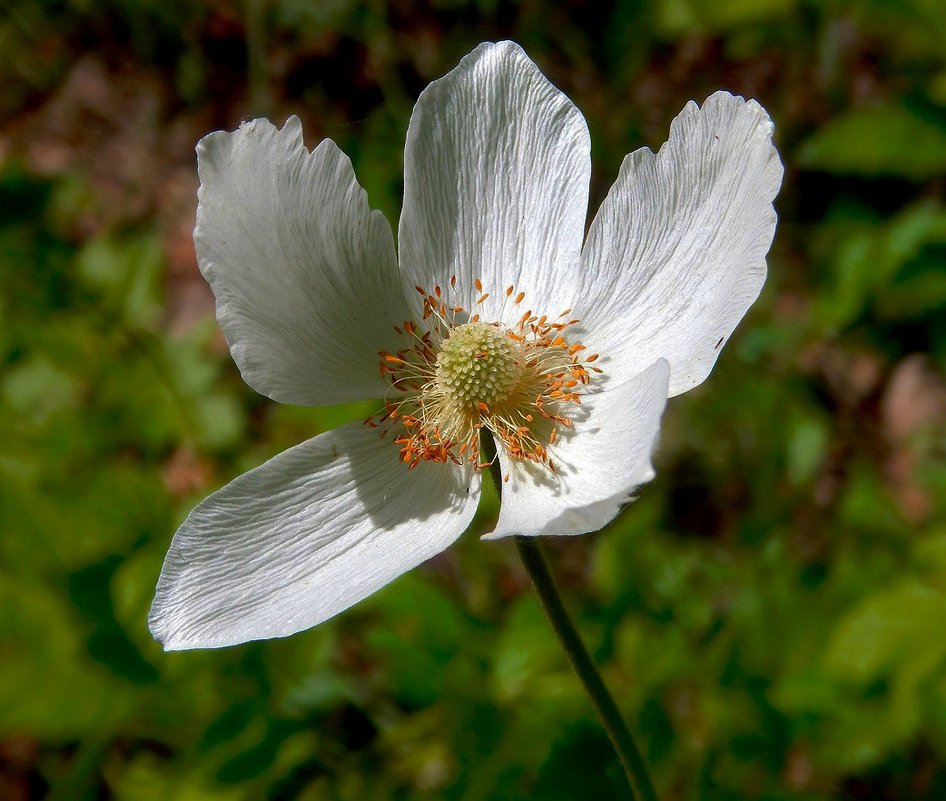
pixel 497 318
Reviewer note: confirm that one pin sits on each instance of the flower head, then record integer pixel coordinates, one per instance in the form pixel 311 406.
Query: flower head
pixel 497 317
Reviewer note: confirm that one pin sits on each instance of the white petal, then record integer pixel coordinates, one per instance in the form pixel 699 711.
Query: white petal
pixel 599 463
pixel 676 254
pixel 496 173
pixel 304 536
pixel 304 272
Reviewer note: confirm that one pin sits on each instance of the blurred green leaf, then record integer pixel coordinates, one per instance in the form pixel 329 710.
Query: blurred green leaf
pixel 125 273
pixel 877 141
pixel 48 685
pixel 897 629
pixel 35 387
pixel 145 777
pixel 526 650
pixel 425 633
pixel 679 17
pixel 807 441
pixel 887 268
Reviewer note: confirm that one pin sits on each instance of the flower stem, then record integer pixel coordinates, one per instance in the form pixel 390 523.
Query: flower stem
pixel 640 786
pixel 531 554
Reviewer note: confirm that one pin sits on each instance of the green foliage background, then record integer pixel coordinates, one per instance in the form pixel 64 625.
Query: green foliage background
pixel 771 613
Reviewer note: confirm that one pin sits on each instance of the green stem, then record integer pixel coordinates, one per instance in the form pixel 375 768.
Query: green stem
pixel 531 555
pixel 641 788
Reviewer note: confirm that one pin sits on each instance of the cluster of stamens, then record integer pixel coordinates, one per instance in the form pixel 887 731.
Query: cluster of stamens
pixel 458 374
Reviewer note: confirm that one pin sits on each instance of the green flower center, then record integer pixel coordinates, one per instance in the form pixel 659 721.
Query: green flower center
pixel 478 364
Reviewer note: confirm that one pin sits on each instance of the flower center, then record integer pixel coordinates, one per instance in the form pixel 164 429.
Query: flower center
pixel 477 364
pixel 458 375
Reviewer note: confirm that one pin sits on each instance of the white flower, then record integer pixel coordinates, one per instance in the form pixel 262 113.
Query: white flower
pixel 494 315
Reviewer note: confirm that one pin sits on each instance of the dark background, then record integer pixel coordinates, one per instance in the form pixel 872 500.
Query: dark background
pixel 770 614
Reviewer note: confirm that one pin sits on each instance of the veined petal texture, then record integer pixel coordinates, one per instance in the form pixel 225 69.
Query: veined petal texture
pixel 676 253
pixel 598 465
pixel 496 172
pixel 304 272
pixel 304 536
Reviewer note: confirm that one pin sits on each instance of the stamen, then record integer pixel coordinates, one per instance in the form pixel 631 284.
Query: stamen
pixel 520 382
